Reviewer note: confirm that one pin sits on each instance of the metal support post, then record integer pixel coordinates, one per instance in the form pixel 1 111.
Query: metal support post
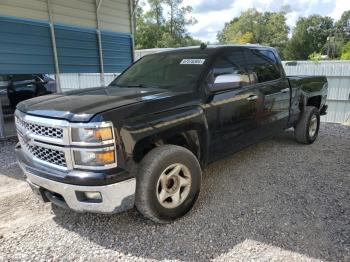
pixel 2 123
pixel 132 25
pixel 99 39
pixel 54 47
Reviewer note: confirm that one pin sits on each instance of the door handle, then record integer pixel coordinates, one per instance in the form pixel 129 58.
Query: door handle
pixel 252 97
pixel 285 90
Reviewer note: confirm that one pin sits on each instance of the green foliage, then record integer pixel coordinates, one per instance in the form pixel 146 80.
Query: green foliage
pixel 342 27
pixel 346 52
pixel 252 26
pixel 309 36
pixel 154 28
pixel 317 34
pixel 313 36
pixel 315 56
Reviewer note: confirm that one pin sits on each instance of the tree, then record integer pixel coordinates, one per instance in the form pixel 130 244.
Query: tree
pixel 147 30
pixel 178 19
pixel 342 26
pixel 156 13
pixel 154 29
pixel 268 28
pixel 237 31
pixel 346 52
pixel 309 36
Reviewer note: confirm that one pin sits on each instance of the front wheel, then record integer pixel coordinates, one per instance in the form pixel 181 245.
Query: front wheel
pixel 168 183
pixel 306 130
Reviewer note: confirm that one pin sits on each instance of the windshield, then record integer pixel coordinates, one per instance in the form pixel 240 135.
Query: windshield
pixel 175 72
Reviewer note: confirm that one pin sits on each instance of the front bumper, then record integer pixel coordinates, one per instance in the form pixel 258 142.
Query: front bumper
pixel 116 197
pixel 56 187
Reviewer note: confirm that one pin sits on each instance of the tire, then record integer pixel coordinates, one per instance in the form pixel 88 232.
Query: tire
pixel 156 179
pixel 306 130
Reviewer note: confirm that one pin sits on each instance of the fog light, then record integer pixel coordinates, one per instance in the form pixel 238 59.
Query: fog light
pixel 93 195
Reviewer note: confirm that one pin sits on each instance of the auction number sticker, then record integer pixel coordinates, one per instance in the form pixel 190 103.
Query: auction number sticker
pixel 192 62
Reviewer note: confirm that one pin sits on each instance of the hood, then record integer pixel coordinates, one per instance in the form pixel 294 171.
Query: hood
pixel 82 105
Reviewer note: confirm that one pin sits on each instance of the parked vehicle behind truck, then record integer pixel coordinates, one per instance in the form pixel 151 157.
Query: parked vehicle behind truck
pixel 17 88
pixel 144 140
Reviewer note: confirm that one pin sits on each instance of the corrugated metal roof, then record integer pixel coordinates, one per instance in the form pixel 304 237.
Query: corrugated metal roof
pixel 114 14
pixel 33 9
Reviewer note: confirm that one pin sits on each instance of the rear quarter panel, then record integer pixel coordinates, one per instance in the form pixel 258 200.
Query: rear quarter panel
pixel 304 88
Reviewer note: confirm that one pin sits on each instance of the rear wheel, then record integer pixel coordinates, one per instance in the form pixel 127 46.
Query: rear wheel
pixel 306 130
pixel 168 183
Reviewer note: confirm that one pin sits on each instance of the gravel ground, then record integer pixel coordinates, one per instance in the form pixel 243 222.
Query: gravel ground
pixel 277 200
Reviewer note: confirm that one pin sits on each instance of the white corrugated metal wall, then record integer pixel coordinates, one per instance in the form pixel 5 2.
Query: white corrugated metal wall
pixel 83 80
pixel 143 52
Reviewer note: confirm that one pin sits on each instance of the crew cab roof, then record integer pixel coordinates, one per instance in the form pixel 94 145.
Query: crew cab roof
pixel 209 49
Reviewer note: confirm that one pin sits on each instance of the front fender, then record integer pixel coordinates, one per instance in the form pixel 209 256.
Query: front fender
pixel 153 127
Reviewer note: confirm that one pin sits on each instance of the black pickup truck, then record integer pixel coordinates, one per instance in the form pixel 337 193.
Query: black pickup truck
pixel 143 140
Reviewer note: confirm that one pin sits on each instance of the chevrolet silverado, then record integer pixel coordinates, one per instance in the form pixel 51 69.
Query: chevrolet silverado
pixel 144 139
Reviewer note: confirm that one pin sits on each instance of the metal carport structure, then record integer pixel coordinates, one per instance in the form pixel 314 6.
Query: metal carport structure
pixel 65 36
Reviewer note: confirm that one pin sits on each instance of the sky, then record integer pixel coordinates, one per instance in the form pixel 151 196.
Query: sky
pixel 212 14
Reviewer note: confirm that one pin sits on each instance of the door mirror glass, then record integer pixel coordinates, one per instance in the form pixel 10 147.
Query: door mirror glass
pixel 225 82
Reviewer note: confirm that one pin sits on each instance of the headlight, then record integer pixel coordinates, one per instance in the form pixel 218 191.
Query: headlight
pixel 94 158
pixel 94 135
pixel 93 145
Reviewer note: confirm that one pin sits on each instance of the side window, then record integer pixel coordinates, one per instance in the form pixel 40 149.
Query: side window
pixel 231 63
pixel 262 66
pixel 22 77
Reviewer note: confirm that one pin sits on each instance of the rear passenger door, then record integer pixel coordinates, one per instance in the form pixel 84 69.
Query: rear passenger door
pixel 266 76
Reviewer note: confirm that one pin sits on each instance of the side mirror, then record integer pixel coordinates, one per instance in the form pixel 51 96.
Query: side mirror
pixel 225 82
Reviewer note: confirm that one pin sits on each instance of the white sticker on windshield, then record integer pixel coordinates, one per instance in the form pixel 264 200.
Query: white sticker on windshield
pixel 192 62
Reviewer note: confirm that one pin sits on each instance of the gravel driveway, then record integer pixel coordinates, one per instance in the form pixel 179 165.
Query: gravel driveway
pixel 277 200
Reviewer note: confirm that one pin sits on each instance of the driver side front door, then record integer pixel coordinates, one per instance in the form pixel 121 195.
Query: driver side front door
pixel 232 113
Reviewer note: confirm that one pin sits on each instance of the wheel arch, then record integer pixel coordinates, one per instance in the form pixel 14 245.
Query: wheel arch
pixel 185 127
pixel 314 101
pixel 190 138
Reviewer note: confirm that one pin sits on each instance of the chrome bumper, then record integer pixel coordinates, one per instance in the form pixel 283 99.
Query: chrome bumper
pixel 116 197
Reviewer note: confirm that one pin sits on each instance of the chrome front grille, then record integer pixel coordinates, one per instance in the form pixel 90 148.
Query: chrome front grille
pixel 55 157
pixel 40 130
pixel 44 140
pixel 48 141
